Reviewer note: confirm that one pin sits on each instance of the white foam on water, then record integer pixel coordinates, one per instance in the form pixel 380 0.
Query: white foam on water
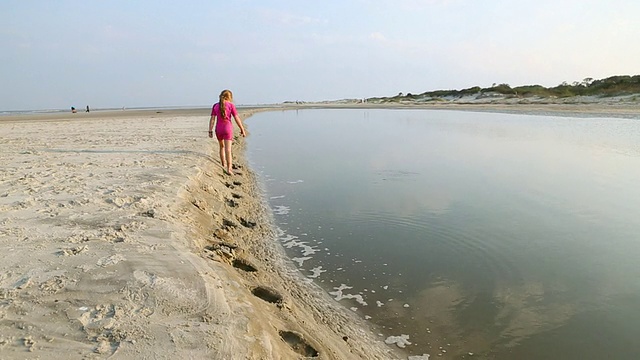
pixel 277 197
pixel 293 242
pixel 339 294
pixel 281 210
pixel 295 182
pixel 367 317
pixel 279 232
pixel 286 237
pixel 353 308
pixel 289 241
pixel 379 303
pixel 419 357
pixel 309 250
pixel 406 305
pixel 300 260
pixel 316 271
pixel 401 341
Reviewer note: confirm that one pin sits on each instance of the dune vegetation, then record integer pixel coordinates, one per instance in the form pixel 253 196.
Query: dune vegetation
pixel 619 85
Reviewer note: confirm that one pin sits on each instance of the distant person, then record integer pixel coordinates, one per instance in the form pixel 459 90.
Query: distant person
pixel 73 110
pixel 87 108
pixel 221 114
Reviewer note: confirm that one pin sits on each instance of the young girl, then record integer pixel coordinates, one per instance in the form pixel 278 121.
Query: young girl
pixel 221 114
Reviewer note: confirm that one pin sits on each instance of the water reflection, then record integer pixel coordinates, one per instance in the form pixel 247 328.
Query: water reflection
pixel 495 234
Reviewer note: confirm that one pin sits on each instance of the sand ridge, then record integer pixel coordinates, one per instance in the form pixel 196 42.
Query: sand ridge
pixel 124 239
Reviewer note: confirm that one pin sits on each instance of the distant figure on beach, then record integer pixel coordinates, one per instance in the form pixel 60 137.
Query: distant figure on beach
pixel 73 110
pixel 221 114
pixel 87 108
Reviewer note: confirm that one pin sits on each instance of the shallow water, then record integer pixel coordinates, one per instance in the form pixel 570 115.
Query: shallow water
pixel 506 236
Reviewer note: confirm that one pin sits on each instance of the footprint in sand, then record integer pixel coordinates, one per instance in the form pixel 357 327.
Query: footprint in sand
pixel 247 223
pixel 244 265
pixel 228 224
pixel 267 294
pixel 298 344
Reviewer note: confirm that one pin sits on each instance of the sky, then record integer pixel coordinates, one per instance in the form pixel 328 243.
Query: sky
pixel 57 54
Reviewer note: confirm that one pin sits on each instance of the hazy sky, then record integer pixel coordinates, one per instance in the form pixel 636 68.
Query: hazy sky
pixel 115 53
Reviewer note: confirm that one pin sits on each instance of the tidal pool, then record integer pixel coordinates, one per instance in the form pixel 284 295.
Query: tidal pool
pixel 507 236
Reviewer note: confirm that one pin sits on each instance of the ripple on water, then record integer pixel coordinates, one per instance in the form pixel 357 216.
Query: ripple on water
pixel 491 254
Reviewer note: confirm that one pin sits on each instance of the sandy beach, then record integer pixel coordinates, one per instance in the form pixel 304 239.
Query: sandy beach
pixel 124 239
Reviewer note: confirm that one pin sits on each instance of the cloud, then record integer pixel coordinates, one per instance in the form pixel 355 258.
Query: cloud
pixel 378 36
pixel 285 18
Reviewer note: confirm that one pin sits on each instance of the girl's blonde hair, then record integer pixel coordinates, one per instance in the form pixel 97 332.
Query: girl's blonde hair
pixel 225 96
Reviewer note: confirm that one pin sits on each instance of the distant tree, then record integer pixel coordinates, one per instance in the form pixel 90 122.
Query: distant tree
pixel 587 81
pixel 470 91
pixel 503 89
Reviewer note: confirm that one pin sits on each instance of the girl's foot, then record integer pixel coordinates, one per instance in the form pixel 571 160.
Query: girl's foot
pixel 229 172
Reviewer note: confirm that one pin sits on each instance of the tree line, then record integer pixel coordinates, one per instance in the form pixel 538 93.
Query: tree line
pixel 612 86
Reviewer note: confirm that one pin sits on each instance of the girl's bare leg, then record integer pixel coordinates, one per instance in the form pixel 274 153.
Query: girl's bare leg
pixel 227 151
pixel 222 154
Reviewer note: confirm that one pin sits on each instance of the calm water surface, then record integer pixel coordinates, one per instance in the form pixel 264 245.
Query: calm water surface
pixel 506 236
